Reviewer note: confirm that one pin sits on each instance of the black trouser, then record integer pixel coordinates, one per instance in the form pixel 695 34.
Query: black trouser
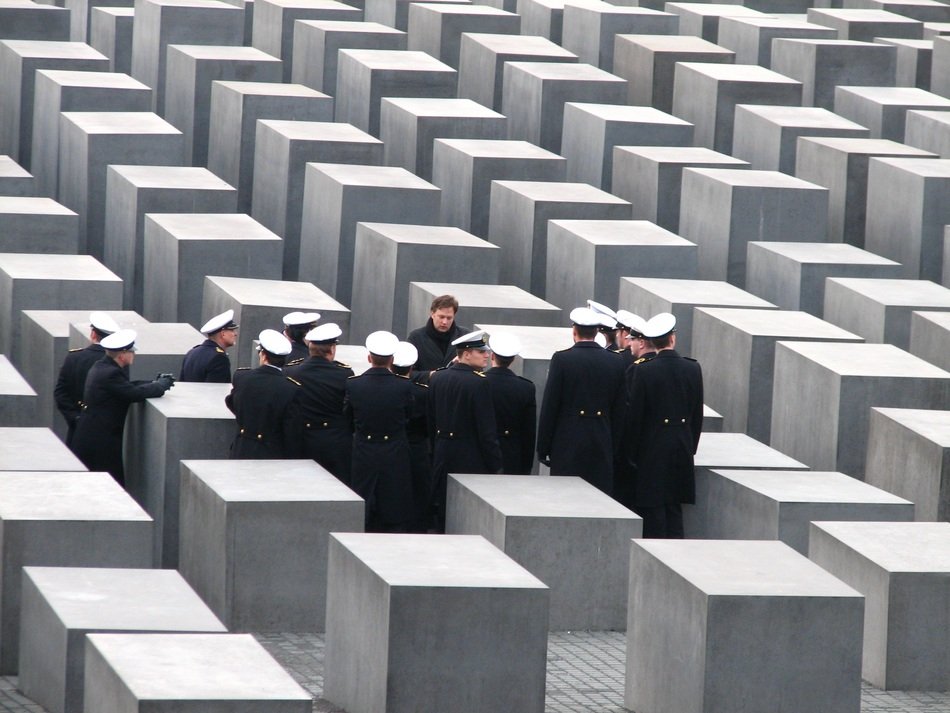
pixel 662 521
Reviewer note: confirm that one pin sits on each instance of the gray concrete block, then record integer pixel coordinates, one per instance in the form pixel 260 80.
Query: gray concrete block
pixel 239 519
pixel 841 165
pixel 34 21
pixel 940 61
pixel 67 90
pixel 235 109
pixel 274 24
pixel 882 109
pixel 387 257
pixel 168 672
pixel 914 60
pixel 35 450
pixel 751 37
pixel 281 151
pixel 924 10
pixel 712 420
pixel 544 18
pixel 910 228
pixel 392 614
pixel 647 62
pixel 336 198
pixel 62 519
pixel 408 128
pixel 864 25
pixel 901 568
pixel 364 77
pixel 19 60
pixel 110 32
pixel 189 76
pixel 317 42
pixel 133 191
pixel 60 605
pixel 395 13
pixel 740 387
pixel 19 402
pixel 190 421
pixel 826 425
pixel 929 335
pixel 37 281
pixel 767 136
pixel 159 23
pixel 465 168
pixel 590 29
pixel 261 304
pixel 563 530
pixel 436 28
pixel 591 131
pixel 159 346
pixel 651 178
pixel 928 131
pixel 781 504
pixel 907 456
pixel 481 303
pixel 701 19
pixel 587 258
pixel 181 248
pixel 89 142
pixel 537 346
pixel 518 224
pixel 792 275
pixel 706 94
pixel 14 179
pixel 723 210
pixel 37 225
pixel 482 59
pixel 734 596
pixel 535 93
pixel 822 65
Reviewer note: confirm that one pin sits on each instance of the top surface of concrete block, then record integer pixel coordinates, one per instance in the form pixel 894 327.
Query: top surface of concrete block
pixel 539 496
pixel 872 360
pixel 179 177
pixel 270 481
pixel 497 148
pixel 29 205
pixel 801 116
pixel 746 568
pixel 208 667
pixel 52 50
pixel 898 96
pixel 932 425
pixel 737 450
pixel 73 78
pixel 212 226
pixel 785 324
pixel 475 295
pixel 700 292
pixel 896 546
pixel 35 449
pixel 923 167
pixel 193 400
pixel 426 234
pixel 377 176
pixel 11 169
pixel 402 60
pixel 738 72
pixel 272 89
pixel 12 382
pixel 536 342
pixel 556 192
pixel 681 44
pixel 682 154
pixel 622 232
pixel 439 107
pixel 29 266
pixel 64 495
pixel 317 131
pixel 824 253
pixel 520 45
pixel 113 598
pixel 713 9
pixel 810 486
pixel 906 293
pixel 632 114
pixel 119 122
pixel 250 291
pixel 744 178
pixel 444 561
pixel 560 71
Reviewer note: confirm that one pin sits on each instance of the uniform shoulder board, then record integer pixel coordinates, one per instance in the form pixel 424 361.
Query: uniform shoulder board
pixel 342 365
pixel 525 379
pixel 294 362
pixel 355 376
pixel 77 349
pixel 640 360
pixel 479 373
pixel 401 376
pixel 689 359
pixel 424 386
pixel 292 379
pixel 243 368
pixel 220 350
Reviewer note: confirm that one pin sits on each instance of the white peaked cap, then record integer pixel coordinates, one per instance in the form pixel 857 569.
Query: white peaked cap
pixel 382 343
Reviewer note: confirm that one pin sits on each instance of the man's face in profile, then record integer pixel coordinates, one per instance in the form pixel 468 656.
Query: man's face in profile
pixel 443 318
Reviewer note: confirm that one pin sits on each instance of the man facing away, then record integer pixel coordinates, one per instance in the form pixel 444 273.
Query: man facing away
pixel 208 361
pixel 515 406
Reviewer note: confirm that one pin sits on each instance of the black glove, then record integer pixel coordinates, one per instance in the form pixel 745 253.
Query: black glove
pixel 166 380
pixel 545 461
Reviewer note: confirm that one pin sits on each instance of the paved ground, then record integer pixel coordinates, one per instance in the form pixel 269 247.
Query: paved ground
pixel 585 673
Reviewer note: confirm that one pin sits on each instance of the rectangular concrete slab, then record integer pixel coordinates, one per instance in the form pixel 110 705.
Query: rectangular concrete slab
pixel 495 304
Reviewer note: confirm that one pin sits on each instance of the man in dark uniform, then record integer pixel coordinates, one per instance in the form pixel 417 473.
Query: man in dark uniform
pixel 72 375
pixel 208 361
pixel 666 420
pixel 629 329
pixel 434 340
pixel 379 405
pixel 97 441
pixel 461 419
pixel 515 406
pixel 326 434
pixel 417 431
pixel 296 326
pixel 265 404
pixel 582 410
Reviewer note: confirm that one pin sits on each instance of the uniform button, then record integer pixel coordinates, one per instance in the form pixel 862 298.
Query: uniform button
pixel 506 433
pixel 369 438
pixel 598 413
pixel 308 425
pixel 682 420
pixel 385 438
pixel 451 435
pixel 666 420
pixel 260 436
pixel 242 430
pixel 437 431
pixel 325 424
pixel 582 413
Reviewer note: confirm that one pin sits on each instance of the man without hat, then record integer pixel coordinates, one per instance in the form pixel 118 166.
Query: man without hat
pixel 326 434
pixel 265 404
pixel 666 420
pixel 97 441
pixel 461 419
pixel 208 361
pixel 582 411
pixel 379 406
pixel 72 375
pixel 296 326
pixel 417 431
pixel 434 340
pixel 515 406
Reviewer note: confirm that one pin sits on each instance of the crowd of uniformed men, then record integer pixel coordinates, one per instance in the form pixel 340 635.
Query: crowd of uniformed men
pixel 621 408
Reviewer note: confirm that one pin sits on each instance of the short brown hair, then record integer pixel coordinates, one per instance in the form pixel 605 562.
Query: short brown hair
pixel 443 301
pixel 320 349
pixel 380 361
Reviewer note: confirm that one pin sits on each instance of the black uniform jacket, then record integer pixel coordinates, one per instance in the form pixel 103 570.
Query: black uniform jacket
pixel 461 419
pixel 206 362
pixel 72 383
pixel 666 419
pixel 97 441
pixel 429 346
pixel 264 402
pixel 379 406
pixel 582 413
pixel 299 353
pixel 515 418
pixel 326 433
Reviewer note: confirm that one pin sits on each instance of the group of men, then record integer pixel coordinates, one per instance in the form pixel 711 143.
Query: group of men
pixel 621 408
